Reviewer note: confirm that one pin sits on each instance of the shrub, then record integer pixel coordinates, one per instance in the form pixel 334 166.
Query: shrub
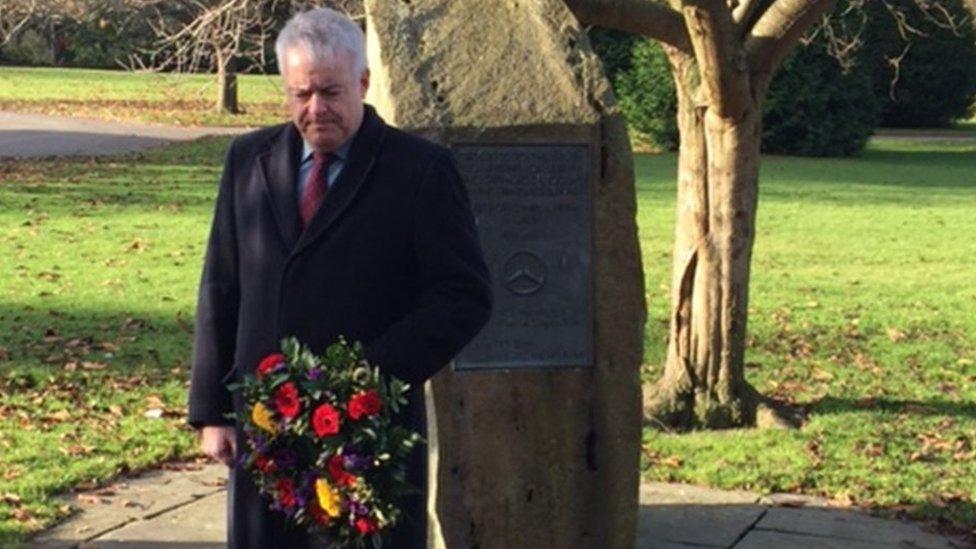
pixel 813 108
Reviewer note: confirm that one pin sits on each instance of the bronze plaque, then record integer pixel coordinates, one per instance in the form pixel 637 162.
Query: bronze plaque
pixel 532 207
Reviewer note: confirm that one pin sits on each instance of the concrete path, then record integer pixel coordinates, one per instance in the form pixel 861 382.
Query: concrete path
pixel 184 506
pixel 25 135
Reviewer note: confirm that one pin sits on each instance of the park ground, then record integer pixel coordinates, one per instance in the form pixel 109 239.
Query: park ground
pixel 860 312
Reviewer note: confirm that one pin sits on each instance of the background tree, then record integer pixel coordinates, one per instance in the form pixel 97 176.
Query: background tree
pixel 722 56
pixel 224 36
pixel 198 35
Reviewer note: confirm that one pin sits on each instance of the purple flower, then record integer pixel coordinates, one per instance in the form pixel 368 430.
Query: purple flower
pixel 314 373
pixel 355 462
pixel 357 509
pixel 285 458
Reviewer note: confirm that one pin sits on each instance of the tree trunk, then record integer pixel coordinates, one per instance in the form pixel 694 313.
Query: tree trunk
pixel 227 85
pixel 703 383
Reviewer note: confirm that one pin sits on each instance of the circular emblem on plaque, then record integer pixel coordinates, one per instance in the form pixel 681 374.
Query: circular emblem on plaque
pixel 525 273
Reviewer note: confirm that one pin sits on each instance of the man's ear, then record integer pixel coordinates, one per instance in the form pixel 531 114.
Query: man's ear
pixel 364 83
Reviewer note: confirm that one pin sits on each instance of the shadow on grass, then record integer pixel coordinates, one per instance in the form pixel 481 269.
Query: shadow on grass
pixel 38 342
pixel 832 405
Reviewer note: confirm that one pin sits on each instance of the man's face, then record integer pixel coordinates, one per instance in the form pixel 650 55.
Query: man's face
pixel 325 98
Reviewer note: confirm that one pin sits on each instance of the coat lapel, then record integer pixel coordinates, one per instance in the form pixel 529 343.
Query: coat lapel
pixel 362 155
pixel 279 167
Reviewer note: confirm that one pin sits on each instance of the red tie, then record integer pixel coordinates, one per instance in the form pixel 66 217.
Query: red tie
pixel 315 187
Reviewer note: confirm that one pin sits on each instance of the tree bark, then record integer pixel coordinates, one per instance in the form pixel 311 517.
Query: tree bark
pixel 722 65
pixel 226 84
pixel 703 383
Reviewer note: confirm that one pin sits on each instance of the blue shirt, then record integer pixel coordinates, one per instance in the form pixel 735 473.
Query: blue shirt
pixel 337 161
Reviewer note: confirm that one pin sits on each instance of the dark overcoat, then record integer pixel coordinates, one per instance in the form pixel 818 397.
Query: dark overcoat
pixel 391 259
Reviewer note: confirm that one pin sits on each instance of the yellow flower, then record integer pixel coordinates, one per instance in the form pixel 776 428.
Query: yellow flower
pixel 329 498
pixel 261 417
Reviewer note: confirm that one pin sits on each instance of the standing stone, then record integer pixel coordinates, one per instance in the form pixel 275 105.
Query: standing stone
pixel 537 429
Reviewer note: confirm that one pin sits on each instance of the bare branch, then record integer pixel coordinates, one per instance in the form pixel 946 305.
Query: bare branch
pixel 14 15
pixel 746 13
pixel 777 30
pixel 643 17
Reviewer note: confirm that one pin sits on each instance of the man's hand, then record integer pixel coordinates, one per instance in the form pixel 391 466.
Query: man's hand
pixel 219 442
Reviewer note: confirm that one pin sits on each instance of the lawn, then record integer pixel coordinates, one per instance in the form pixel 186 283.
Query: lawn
pixel 143 96
pixel 862 302
pixel 861 310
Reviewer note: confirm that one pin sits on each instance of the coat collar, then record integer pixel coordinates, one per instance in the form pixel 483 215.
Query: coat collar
pixel 279 166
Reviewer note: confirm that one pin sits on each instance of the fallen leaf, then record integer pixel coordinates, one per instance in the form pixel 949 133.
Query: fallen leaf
pixel 59 416
pixel 10 498
pixel 895 335
pixel 90 499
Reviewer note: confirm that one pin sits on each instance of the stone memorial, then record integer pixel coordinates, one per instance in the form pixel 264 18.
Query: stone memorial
pixel 535 429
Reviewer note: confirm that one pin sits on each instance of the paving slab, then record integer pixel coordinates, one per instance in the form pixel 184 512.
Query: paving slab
pixel 850 526
pixel 24 135
pixel 679 514
pixel 199 524
pixel 766 539
pixel 139 497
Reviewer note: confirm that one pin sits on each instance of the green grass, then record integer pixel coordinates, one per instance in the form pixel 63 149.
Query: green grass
pixel 101 263
pixel 861 309
pixel 143 96
pixel 862 300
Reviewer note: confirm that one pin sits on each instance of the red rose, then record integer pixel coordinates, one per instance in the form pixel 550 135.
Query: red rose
pixel 339 475
pixel 367 403
pixel 286 399
pixel 365 526
pixel 325 420
pixel 265 465
pixel 317 513
pixel 270 364
pixel 286 492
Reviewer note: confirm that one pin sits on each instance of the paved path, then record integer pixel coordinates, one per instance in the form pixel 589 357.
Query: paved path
pixel 184 506
pixel 34 135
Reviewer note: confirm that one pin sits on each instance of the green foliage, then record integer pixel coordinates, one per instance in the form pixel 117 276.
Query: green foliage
pixel 815 108
pixel 29 48
pixel 936 80
pixel 638 70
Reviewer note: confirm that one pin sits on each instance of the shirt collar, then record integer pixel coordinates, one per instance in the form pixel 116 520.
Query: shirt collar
pixel 340 153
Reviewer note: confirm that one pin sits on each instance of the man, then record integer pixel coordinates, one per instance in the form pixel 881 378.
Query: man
pixel 333 224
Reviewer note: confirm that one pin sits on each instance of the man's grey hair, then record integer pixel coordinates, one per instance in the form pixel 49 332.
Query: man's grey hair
pixel 322 33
